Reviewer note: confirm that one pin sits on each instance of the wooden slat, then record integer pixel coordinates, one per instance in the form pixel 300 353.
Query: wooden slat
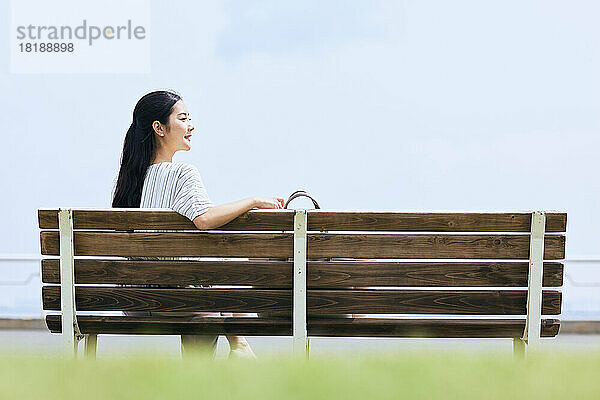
pixel 422 328
pixel 413 246
pixel 430 222
pixel 465 302
pixel 324 274
pixel 128 218
pixel 279 245
pixel 185 244
pixel 131 218
pixel 375 273
pixel 338 327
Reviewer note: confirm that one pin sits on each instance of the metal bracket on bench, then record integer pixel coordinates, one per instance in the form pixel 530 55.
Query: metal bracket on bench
pixel 299 330
pixel 531 334
pixel 70 329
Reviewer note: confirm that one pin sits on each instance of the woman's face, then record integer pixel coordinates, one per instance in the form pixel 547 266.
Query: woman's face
pixel 179 132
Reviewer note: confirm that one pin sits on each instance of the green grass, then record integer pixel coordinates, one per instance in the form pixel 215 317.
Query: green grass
pixel 397 376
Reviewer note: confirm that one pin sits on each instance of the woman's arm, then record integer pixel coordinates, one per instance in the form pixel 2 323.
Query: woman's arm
pixel 220 215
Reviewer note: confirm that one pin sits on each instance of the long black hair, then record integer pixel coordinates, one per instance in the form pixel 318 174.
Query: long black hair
pixel 139 146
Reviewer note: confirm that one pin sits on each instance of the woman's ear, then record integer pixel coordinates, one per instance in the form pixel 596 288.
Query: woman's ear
pixel 158 128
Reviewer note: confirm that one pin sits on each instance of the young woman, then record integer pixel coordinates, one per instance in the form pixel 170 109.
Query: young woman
pixel 149 178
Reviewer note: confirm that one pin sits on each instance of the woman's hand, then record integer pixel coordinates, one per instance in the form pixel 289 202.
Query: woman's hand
pixel 220 215
pixel 269 202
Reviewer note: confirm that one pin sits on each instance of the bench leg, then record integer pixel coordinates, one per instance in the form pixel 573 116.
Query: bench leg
pixel 91 343
pixel 519 347
pixel 299 327
pixel 71 334
pixel 533 321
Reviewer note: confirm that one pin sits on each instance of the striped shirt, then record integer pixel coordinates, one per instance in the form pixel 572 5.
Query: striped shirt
pixel 177 186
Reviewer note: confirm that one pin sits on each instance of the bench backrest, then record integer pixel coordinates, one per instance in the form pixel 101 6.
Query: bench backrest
pixel 422 264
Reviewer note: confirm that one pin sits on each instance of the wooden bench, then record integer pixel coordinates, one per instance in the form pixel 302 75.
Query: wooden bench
pixel 450 275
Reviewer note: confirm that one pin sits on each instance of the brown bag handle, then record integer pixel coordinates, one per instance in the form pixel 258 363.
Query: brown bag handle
pixel 301 193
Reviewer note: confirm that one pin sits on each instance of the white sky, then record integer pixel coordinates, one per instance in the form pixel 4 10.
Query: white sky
pixel 411 105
